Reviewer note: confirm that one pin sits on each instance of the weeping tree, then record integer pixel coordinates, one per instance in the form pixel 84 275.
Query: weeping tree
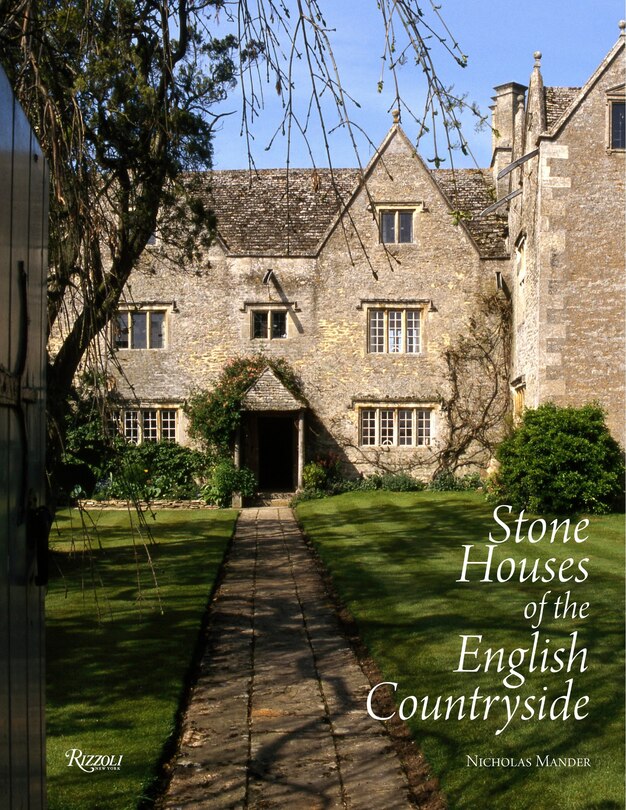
pixel 121 94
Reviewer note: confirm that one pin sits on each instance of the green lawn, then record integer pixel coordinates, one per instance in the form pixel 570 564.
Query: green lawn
pixel 395 559
pixel 116 664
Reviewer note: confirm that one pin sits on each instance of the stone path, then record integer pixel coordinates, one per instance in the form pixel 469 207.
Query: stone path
pixel 277 718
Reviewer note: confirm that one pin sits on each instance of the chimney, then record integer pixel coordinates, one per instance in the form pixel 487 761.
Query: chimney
pixel 504 113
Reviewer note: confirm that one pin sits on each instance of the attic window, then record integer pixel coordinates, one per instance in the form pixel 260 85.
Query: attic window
pixel 396 225
pixel 618 125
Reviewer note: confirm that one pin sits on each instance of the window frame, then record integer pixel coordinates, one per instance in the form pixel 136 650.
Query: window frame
pixel 384 210
pixel 614 97
pixel 399 426
pixel 383 332
pixel 269 312
pixel 141 425
pixel 148 311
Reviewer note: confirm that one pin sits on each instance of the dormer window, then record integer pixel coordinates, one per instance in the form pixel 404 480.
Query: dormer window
pixel 396 225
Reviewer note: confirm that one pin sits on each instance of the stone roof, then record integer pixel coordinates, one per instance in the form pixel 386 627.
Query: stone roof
pixel 558 100
pixel 470 191
pixel 269 394
pixel 275 212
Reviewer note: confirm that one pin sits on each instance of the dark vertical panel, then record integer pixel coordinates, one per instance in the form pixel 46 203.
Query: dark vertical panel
pixel 6 140
pixel 23 263
pixel 36 453
pixel 18 562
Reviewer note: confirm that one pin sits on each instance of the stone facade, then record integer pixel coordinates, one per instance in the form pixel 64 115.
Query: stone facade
pixel 566 238
pixel 362 281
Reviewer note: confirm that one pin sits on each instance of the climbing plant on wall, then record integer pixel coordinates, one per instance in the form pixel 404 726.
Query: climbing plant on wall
pixel 214 415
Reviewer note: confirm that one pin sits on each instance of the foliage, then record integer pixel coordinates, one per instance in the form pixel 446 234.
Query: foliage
pixel 321 473
pixel 225 479
pixel 560 461
pixel 119 95
pixel 153 470
pixel 215 415
pixel 449 482
pixel 388 482
pixel 475 398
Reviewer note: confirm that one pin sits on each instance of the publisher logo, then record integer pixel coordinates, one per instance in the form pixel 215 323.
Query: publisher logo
pixel 93 762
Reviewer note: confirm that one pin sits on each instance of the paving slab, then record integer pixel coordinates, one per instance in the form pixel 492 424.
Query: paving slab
pixel 277 718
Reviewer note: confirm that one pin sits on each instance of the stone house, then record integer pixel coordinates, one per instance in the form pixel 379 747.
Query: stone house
pixel 365 282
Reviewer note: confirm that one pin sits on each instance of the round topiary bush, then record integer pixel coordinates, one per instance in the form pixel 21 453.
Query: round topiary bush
pixel 560 461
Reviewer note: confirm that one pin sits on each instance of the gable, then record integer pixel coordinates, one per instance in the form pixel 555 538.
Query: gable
pixel 269 394
pixel 579 97
pixel 396 170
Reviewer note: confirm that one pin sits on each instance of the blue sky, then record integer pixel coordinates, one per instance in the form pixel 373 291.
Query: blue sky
pixel 499 38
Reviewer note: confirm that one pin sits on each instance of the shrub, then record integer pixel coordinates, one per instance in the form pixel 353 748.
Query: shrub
pixel 392 482
pixel 322 473
pixel 561 461
pixel 400 482
pixel 225 479
pixel 153 470
pixel 449 482
pixel 314 476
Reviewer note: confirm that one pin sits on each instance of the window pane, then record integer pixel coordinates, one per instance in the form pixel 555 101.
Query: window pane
pixel 157 329
pixel 113 426
pixel 131 426
pixel 149 426
pixel 368 427
pixel 376 330
pixel 259 324
pixel 423 427
pixel 406 226
pixel 413 331
pixel 405 427
pixel 121 331
pixel 168 425
pixel 279 325
pixel 394 336
pixel 618 125
pixel 386 427
pixel 138 336
pixel 388 226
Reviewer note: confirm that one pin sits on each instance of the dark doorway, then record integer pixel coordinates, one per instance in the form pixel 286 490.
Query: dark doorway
pixel 276 435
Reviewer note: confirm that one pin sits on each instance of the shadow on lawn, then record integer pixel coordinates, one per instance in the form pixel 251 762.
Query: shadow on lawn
pixel 396 572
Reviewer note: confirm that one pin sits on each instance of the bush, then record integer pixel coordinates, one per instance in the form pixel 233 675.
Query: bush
pixel 225 479
pixel 560 461
pixel 449 482
pixel 314 476
pixel 332 485
pixel 153 470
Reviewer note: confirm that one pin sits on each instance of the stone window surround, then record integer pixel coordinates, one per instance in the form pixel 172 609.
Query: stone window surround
pixel 146 423
pixel 613 96
pixel 397 208
pixel 422 305
pixel 254 307
pixel 130 309
pixel 388 415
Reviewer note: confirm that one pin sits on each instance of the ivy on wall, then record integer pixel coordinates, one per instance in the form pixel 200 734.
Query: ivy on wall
pixel 215 415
